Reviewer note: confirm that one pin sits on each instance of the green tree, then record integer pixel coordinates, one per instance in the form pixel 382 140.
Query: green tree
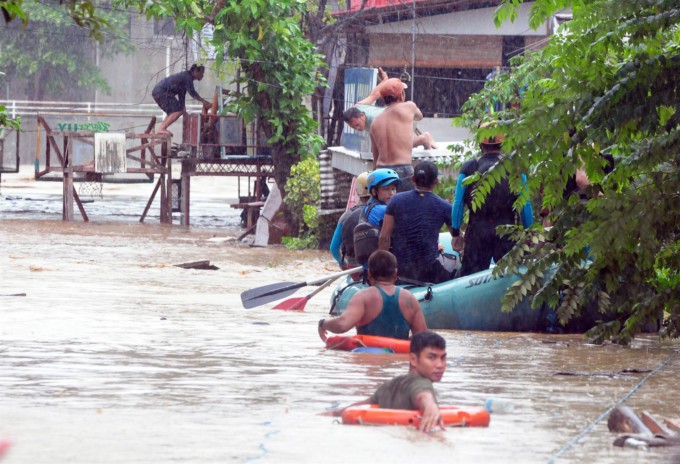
pixel 54 56
pixel 82 13
pixel 5 120
pixel 278 67
pixel 607 84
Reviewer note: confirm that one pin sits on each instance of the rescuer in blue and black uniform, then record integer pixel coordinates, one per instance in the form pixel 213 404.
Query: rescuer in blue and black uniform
pixel 482 243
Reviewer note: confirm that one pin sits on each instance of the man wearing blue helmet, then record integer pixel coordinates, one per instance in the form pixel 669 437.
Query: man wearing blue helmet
pixel 382 185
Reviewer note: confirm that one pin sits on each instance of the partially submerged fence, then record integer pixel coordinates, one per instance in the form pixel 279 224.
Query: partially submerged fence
pixel 94 148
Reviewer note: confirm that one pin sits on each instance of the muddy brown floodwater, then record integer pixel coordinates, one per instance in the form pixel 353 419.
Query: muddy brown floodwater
pixel 117 356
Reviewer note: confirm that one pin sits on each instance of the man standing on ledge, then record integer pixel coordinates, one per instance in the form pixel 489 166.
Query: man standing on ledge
pixel 169 94
pixel 391 139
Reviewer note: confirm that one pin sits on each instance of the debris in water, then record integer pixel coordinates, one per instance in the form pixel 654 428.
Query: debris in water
pixel 641 432
pixel 631 442
pixel 624 420
pixel 204 265
pixel 604 374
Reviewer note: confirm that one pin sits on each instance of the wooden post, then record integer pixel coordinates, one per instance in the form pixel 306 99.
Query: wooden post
pixel 168 163
pixel 153 195
pixel 149 128
pixel 185 200
pixel 67 207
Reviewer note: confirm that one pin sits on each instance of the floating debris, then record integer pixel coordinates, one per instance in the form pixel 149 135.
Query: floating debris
pixel 605 374
pixel 641 431
pixel 203 265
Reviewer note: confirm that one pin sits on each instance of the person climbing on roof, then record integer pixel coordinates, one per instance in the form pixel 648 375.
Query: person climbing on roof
pixel 170 93
pixel 342 243
pixel 414 391
pixel 360 116
pixel 383 309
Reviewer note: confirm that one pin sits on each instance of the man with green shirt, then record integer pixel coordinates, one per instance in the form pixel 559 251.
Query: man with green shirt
pixel 427 363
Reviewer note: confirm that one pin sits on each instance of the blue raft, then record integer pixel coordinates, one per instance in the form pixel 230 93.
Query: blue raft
pixel 468 303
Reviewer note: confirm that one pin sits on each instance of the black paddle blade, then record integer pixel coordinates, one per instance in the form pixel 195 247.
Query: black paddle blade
pixel 268 293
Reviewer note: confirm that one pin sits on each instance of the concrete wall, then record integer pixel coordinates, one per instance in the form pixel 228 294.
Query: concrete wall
pixel 157 56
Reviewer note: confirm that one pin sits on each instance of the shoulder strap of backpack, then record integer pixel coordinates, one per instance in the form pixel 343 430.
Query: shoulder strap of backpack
pixel 364 215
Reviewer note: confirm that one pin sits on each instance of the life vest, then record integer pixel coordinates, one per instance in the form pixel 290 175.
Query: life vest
pixel 453 416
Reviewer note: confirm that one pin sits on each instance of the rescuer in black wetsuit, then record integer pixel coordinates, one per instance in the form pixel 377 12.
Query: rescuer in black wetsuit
pixel 481 241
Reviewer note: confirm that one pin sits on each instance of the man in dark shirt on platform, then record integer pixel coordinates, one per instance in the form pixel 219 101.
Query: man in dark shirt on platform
pixel 427 364
pixel 170 93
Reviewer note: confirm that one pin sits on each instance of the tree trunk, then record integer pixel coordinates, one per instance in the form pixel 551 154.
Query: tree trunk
pixel 282 160
pixel 38 91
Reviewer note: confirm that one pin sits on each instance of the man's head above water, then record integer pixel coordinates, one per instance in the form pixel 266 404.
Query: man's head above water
pixel 428 355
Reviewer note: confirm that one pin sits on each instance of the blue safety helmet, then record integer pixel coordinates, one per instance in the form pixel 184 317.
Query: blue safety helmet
pixel 381 178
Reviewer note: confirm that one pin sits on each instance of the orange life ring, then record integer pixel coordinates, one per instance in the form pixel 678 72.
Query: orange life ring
pixel 349 343
pixel 454 416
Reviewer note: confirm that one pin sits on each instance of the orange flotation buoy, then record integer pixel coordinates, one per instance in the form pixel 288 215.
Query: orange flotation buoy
pixel 454 416
pixel 352 342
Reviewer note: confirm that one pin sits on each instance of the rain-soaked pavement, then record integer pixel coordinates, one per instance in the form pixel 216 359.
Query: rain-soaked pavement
pixel 114 355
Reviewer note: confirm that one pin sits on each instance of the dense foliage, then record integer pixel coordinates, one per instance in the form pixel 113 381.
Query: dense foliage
pixel 607 84
pixel 82 13
pixel 53 56
pixel 304 191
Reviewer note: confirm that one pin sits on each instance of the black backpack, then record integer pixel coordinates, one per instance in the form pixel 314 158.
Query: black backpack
pixel 347 233
pixel 365 237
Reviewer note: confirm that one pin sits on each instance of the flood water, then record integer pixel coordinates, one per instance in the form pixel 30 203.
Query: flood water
pixel 115 355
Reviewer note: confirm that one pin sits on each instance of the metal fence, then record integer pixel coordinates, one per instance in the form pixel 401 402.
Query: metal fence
pixel 29 110
pixel 23 108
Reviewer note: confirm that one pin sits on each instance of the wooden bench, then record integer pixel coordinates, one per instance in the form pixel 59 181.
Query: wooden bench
pixel 250 208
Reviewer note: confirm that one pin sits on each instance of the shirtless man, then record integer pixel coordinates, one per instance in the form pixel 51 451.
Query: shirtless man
pixel 360 116
pixel 391 139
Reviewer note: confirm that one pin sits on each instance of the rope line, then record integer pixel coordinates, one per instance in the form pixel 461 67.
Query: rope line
pixel 592 425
